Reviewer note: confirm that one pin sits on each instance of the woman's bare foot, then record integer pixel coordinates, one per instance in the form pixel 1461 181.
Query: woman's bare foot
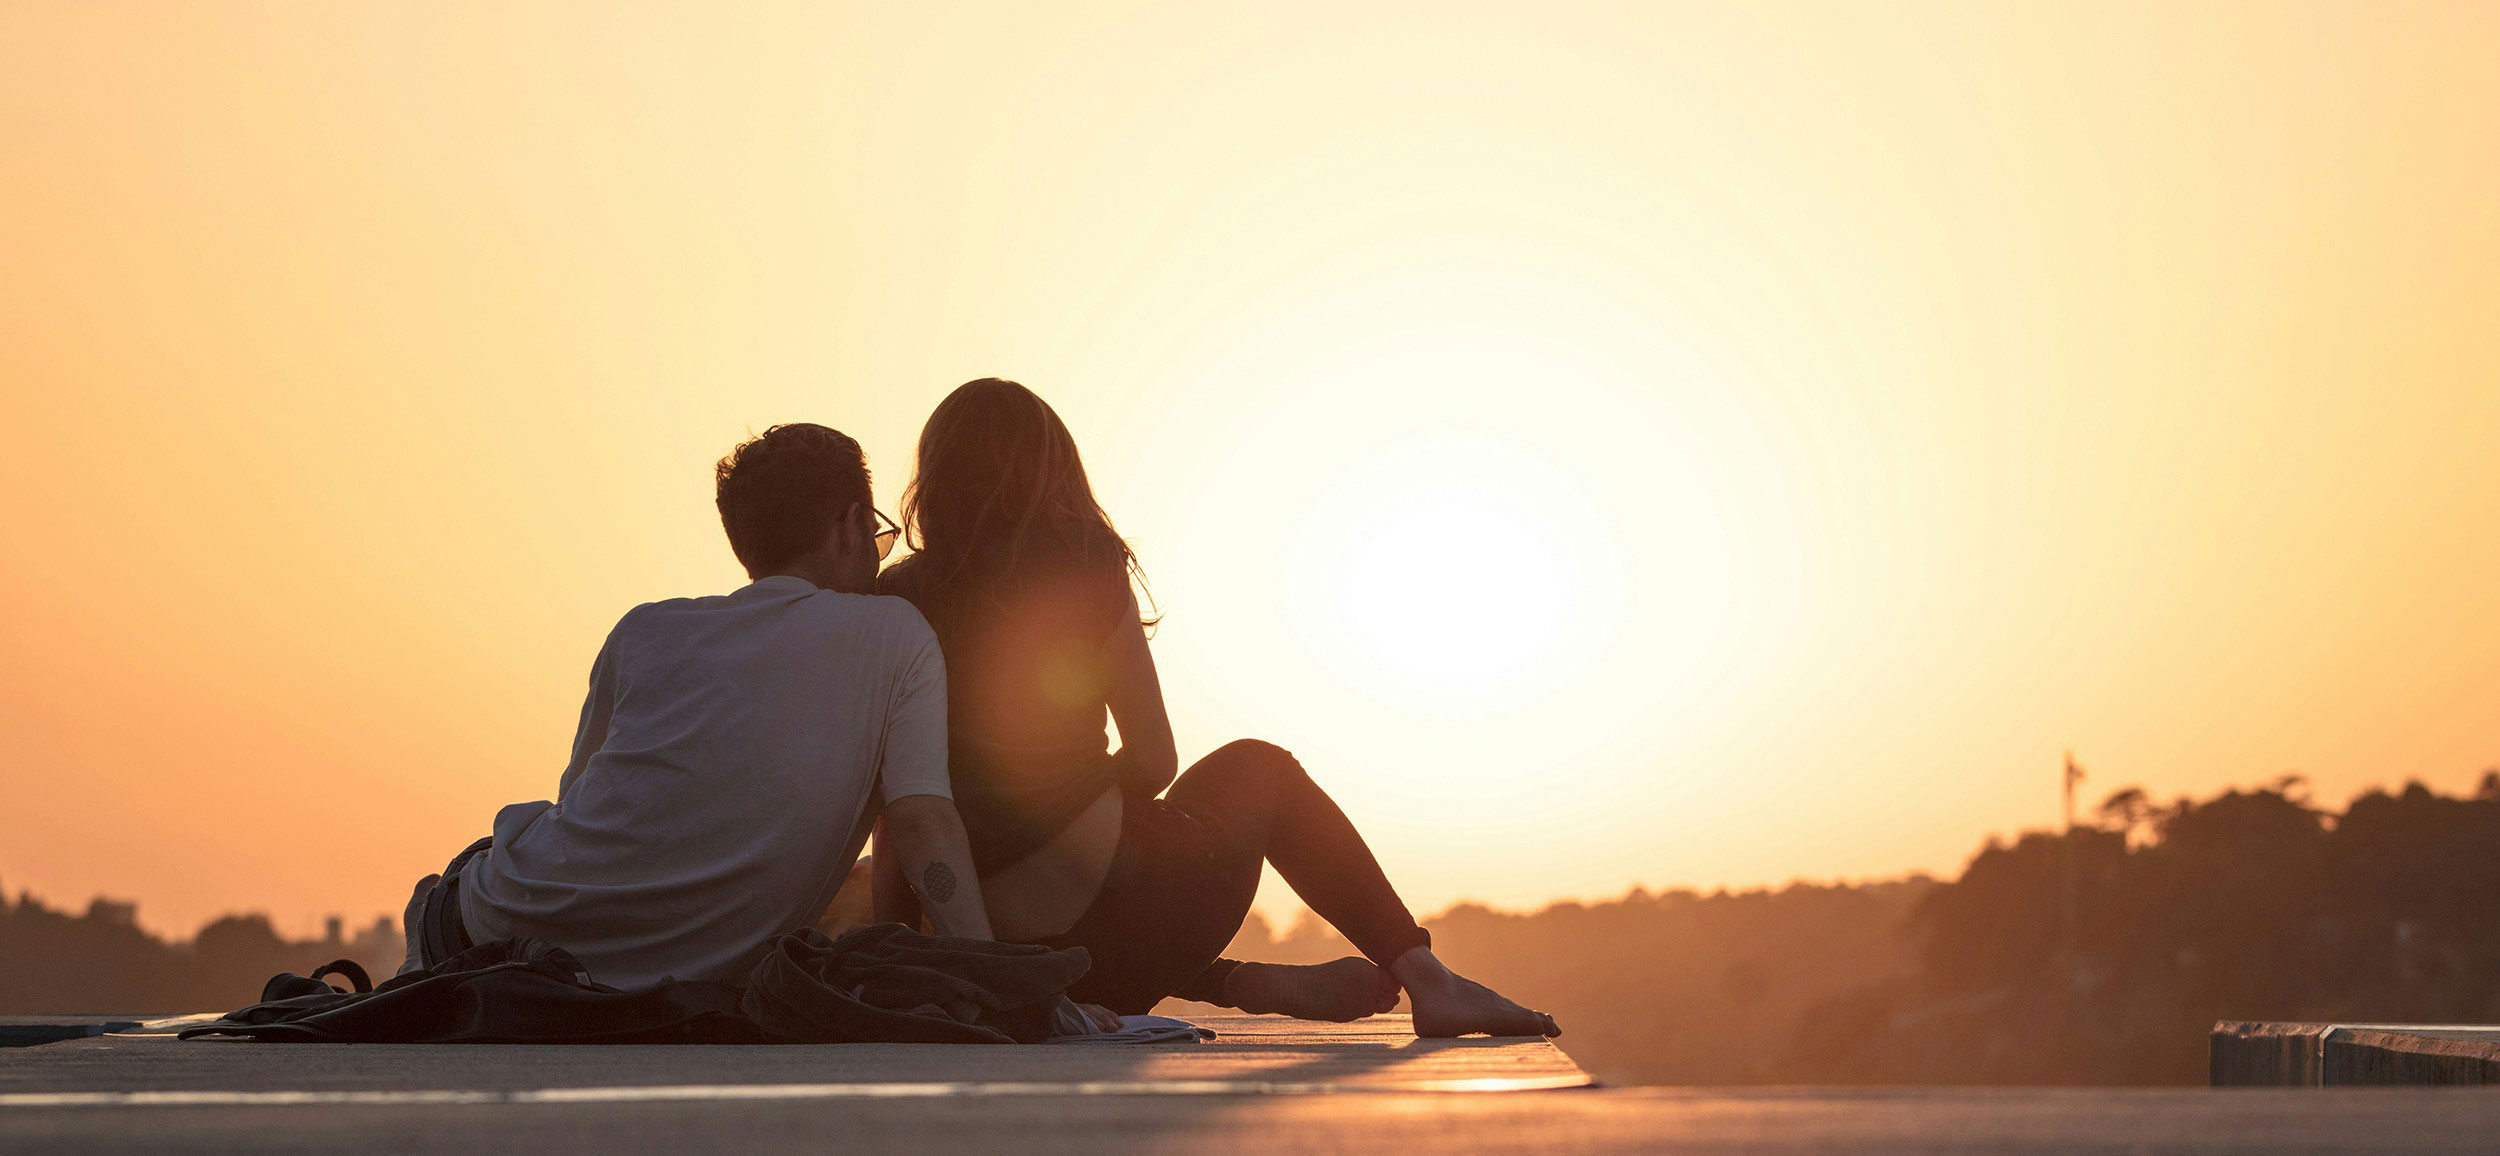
pixel 1338 991
pixel 408 921
pixel 1448 1004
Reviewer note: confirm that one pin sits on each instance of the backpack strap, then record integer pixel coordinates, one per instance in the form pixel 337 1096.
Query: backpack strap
pixel 354 971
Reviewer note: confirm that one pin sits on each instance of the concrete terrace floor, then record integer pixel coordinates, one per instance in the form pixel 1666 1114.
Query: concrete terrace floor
pixel 1266 1086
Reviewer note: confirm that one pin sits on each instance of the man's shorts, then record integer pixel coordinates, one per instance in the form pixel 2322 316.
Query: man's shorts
pixel 439 932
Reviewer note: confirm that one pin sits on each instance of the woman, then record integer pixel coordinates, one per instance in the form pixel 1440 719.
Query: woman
pixel 1028 587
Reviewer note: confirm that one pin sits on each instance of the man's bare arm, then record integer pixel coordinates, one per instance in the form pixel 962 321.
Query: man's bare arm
pixel 928 837
pixel 890 895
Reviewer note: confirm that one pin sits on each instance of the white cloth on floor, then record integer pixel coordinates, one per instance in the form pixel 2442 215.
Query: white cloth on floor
pixel 1144 1030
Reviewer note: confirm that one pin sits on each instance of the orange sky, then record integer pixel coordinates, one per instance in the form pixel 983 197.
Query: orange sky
pixel 1611 444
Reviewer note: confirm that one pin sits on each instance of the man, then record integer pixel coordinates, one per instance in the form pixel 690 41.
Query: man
pixel 731 752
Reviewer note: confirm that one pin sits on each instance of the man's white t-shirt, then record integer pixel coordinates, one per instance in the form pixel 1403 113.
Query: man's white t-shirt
pixel 726 753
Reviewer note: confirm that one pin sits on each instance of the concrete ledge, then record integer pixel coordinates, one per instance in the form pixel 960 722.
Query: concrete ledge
pixel 2247 1053
pixel 1251 1056
pixel 2323 1055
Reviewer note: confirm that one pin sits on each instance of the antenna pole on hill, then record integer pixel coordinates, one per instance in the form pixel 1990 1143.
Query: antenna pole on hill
pixel 2066 864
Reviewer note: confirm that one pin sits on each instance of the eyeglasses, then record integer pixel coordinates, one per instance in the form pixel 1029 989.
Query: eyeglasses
pixel 885 537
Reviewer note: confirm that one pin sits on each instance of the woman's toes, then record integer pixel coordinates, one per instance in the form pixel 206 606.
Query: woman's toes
pixel 1517 1021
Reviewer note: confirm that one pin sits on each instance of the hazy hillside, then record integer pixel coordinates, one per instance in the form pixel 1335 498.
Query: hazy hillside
pixel 2096 956
pixel 2100 956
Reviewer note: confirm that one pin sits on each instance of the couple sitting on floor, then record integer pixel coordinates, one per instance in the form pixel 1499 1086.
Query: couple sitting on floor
pixel 736 751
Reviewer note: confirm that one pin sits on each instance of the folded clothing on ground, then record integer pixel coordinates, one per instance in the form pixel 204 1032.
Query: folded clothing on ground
pixel 1143 1030
pixel 881 983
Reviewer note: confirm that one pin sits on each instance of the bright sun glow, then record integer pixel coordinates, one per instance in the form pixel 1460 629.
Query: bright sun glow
pixel 1420 588
pixel 1457 558
pixel 1408 556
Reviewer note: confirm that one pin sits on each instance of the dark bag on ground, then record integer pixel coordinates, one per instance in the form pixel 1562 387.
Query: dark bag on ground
pixel 509 991
pixel 882 983
pixel 887 982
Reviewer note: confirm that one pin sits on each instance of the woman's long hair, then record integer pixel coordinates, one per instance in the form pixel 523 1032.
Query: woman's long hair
pixel 998 490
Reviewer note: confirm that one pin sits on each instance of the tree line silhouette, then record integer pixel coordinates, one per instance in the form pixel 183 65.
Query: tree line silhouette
pixel 2097 955
pixel 103 963
pixel 2102 954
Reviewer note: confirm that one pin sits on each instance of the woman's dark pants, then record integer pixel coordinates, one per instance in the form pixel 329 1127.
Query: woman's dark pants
pixel 1188 867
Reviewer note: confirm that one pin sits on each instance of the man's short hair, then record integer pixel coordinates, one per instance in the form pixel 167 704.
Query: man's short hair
pixel 782 492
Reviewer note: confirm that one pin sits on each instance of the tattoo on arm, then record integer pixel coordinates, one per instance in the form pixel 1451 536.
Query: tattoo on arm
pixel 938 883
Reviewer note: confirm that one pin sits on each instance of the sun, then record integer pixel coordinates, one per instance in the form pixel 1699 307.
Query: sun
pixel 1453 593
pixel 1513 515
pixel 1464 574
